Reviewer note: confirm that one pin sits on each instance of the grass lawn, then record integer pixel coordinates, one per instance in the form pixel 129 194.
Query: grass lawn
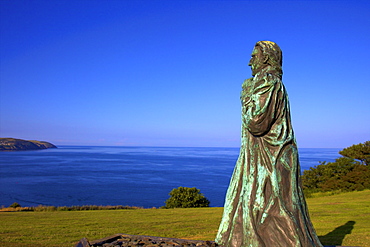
pixel 342 219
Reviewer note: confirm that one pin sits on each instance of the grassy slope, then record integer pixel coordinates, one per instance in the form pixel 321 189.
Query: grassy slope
pixel 339 220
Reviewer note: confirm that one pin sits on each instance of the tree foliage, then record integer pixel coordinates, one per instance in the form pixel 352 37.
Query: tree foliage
pixel 15 205
pixel 359 152
pixel 345 174
pixel 184 197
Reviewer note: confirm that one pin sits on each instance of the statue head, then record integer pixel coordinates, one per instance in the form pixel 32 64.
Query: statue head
pixel 266 54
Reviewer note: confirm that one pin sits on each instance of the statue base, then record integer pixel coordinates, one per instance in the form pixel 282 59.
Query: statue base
pixel 126 240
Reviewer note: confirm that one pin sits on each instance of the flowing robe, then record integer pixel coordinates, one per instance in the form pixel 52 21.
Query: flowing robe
pixel 264 204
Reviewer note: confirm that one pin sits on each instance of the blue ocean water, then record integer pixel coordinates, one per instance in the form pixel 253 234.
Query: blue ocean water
pixel 133 176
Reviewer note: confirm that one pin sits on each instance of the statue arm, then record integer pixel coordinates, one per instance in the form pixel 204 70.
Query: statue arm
pixel 259 112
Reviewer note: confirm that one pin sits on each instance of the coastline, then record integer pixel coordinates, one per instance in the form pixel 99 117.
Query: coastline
pixel 13 144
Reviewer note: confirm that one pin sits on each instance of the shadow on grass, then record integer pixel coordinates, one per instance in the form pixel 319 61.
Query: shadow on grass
pixel 336 236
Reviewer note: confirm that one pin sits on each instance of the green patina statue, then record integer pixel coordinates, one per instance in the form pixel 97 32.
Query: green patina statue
pixel 264 204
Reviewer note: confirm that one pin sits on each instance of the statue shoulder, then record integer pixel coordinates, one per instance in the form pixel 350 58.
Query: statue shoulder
pixel 271 79
pixel 247 82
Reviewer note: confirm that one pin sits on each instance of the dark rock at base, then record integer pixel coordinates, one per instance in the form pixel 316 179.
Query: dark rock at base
pixel 83 243
pixel 12 144
pixel 126 240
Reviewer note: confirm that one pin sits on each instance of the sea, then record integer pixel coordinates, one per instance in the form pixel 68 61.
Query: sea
pixel 128 176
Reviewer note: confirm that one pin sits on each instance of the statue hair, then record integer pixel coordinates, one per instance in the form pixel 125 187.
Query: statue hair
pixel 274 53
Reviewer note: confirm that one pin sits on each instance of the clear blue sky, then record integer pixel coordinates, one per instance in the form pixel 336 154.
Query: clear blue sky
pixel 169 73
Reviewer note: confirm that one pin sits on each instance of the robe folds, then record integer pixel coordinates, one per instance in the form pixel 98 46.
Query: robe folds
pixel 265 205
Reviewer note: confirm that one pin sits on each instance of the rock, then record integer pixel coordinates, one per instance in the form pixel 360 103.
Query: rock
pixel 83 243
pixel 125 240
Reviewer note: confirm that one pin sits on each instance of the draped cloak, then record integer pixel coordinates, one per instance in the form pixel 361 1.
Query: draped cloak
pixel 265 205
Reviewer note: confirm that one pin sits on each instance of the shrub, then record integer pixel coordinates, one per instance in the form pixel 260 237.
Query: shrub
pixel 184 197
pixel 15 205
pixel 345 174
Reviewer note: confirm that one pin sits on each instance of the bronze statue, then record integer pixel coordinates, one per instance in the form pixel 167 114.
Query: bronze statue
pixel 264 204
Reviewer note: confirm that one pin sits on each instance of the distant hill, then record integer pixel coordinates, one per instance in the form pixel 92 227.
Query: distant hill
pixel 12 144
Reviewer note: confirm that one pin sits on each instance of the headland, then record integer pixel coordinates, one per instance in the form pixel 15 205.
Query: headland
pixel 12 144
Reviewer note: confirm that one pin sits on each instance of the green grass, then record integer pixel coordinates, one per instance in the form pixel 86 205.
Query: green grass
pixel 342 219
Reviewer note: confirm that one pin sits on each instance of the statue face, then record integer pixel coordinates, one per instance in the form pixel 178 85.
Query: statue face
pixel 257 61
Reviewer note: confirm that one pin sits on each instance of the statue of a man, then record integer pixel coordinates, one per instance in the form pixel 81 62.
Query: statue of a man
pixel 264 204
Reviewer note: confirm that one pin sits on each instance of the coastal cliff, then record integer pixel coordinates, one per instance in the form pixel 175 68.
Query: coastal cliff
pixel 12 144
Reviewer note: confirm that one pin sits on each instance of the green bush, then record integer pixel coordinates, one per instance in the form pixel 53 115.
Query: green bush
pixel 345 174
pixel 184 197
pixel 15 205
